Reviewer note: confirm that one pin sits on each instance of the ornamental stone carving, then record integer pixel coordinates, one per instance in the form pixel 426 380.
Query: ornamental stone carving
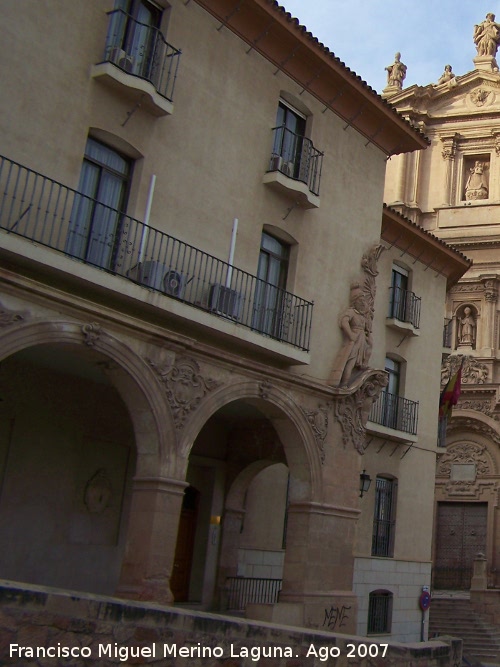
pixel 463 424
pixel 483 406
pixel 449 147
pixel 353 410
pixel 318 419
pixel 91 333
pixel 184 386
pixel 8 317
pixel 473 371
pixel 491 290
pixel 463 453
pixel 479 96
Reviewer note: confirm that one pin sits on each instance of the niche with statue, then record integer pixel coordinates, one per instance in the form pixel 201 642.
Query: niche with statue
pixel 466 327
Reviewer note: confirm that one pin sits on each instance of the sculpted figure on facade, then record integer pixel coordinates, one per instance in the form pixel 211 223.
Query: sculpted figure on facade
pixel 467 328
pixel 476 186
pixel 396 73
pixel 356 324
pixel 447 75
pixel 487 36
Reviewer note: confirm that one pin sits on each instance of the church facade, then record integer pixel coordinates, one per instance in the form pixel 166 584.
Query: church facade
pixel 453 190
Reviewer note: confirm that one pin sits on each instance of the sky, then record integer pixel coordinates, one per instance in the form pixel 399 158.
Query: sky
pixel 365 34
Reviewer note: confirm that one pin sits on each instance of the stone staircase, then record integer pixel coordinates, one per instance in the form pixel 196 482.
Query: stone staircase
pixel 455 616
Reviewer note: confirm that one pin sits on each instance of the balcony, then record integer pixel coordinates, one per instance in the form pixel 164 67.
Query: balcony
pixel 139 62
pixel 295 167
pixel 50 214
pixel 395 413
pixel 404 310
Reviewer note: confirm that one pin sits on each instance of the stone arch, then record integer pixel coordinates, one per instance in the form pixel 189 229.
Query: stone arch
pixel 290 423
pixel 133 379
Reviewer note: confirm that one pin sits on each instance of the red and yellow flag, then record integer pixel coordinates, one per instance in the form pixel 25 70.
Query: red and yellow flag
pixel 450 394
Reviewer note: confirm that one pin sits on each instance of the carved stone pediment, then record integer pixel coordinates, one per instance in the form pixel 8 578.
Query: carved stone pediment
pixel 353 407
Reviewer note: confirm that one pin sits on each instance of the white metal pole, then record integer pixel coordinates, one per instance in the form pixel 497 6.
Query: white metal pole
pixel 231 253
pixel 147 215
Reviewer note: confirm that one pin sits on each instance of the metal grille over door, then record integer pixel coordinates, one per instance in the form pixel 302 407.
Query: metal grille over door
pixel 461 535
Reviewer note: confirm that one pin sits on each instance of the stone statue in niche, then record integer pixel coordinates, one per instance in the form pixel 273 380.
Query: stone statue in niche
pixel 476 186
pixel 487 36
pixel 467 328
pixel 396 73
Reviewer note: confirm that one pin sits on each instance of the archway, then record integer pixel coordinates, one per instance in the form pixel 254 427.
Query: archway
pixel 246 440
pixel 102 447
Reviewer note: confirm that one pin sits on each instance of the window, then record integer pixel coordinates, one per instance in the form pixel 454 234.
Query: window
pixel 399 291
pixel 288 139
pixel 384 517
pixel 95 218
pixel 379 612
pixel 136 36
pixel 390 395
pixel 271 282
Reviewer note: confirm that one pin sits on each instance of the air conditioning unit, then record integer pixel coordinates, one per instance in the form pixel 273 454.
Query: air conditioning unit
pixel 159 277
pixel 225 301
pixel 121 58
pixel 276 163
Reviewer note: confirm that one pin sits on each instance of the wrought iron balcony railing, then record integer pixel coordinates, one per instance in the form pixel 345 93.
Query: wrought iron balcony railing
pixel 51 214
pixel 447 329
pixel 404 306
pixel 295 156
pixel 142 51
pixel 395 412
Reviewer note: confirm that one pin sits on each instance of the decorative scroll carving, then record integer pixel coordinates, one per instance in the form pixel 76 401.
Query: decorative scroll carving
pixel 352 410
pixel 318 419
pixel 8 317
pixel 356 324
pixel 465 452
pixel 91 333
pixel 449 147
pixel 184 386
pixel 473 371
pixel 483 406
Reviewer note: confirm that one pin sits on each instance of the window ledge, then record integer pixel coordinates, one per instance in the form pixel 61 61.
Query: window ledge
pixel 137 89
pixel 406 327
pixel 291 188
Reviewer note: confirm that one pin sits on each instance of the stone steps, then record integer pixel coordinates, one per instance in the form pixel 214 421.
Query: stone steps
pixel 457 618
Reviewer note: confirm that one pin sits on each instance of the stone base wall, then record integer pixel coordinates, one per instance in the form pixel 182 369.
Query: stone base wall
pixel 41 626
pixel 487 604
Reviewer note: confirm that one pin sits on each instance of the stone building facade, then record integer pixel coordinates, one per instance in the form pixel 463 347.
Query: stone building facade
pixel 182 228
pixel 453 190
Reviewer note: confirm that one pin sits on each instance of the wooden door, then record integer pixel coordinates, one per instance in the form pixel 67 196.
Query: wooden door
pixel 460 536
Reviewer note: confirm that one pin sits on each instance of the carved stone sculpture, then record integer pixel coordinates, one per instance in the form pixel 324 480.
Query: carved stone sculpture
pixel 396 73
pixel 356 324
pixel 477 183
pixel 487 36
pixel 446 76
pixel 467 329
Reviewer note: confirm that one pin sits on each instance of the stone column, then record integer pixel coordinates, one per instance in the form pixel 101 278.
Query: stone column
pixel 318 570
pixel 488 314
pixel 151 539
pixel 448 153
pixel 401 178
pixel 232 523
